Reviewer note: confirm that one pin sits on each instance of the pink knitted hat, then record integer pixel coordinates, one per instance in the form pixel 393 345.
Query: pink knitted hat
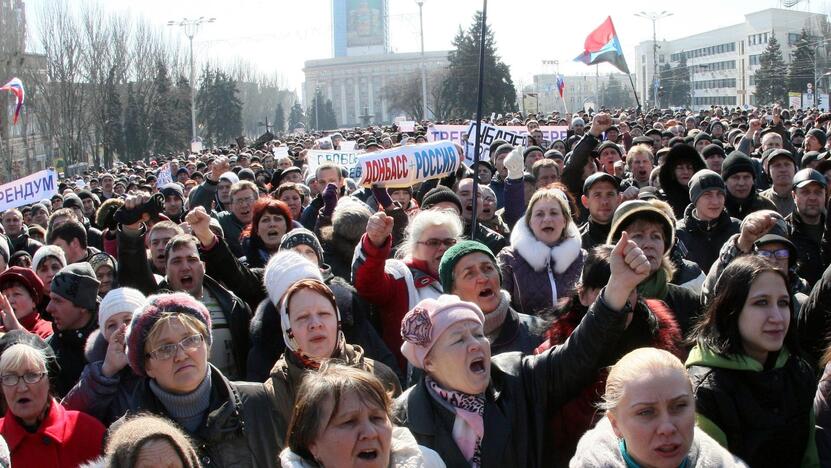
pixel 423 325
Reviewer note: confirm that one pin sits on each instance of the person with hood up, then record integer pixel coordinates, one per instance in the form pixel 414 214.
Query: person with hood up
pixel 739 176
pixel 470 406
pixel 681 163
pixel 753 392
pixel 543 262
pixel 706 225
pixel 650 419
pixel 174 202
pixel 311 330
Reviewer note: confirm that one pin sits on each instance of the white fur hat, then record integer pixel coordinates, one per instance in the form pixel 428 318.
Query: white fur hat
pixel 119 300
pixel 284 269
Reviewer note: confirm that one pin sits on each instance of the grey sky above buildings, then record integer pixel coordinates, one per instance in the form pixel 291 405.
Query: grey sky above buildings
pixel 279 35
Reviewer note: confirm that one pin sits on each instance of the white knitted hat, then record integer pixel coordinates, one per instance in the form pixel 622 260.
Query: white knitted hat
pixel 48 251
pixel 284 269
pixel 119 300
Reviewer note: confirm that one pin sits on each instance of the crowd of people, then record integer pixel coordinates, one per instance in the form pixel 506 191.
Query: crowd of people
pixel 650 291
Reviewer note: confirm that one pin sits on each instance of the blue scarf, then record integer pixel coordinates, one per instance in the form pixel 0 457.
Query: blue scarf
pixel 631 463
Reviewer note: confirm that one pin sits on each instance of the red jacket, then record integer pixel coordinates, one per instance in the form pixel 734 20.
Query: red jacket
pixel 64 439
pixel 384 286
pixel 34 323
pixel 569 422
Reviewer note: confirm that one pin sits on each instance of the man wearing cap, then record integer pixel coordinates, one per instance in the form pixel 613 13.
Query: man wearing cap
pixel 174 201
pixel 714 157
pixel 706 225
pixel 73 304
pixel 674 175
pixel 739 176
pixel 806 225
pixel 214 194
pixel 780 167
pixel 107 182
pixel 601 197
pixel 815 140
pixel 94 236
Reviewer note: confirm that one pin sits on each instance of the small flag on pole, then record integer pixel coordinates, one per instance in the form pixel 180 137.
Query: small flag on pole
pixel 602 45
pixel 561 84
pixel 15 86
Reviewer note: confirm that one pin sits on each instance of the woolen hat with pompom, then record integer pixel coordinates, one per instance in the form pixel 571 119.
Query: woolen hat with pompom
pixel 146 316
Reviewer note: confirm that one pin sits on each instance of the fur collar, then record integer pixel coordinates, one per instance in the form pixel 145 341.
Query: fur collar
pixel 538 254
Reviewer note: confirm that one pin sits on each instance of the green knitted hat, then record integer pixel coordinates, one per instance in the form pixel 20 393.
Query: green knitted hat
pixel 454 254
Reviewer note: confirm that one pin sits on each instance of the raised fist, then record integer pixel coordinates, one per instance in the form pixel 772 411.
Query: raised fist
pixel 379 228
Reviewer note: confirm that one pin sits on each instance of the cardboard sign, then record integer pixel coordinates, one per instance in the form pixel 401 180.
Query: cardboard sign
pixel 30 189
pixel 459 134
pixel 403 166
pixel 164 176
pixel 280 152
pixel 347 159
pixel 347 145
pixel 406 126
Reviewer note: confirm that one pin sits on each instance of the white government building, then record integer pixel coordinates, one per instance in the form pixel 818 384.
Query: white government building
pixel 722 62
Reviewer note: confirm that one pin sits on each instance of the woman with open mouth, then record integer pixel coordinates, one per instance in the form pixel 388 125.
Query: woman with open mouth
pixel 38 430
pixel 311 328
pixel 650 419
pixel 754 393
pixel 471 407
pixel 545 257
pixel 168 344
pixel 343 417
pixel 269 223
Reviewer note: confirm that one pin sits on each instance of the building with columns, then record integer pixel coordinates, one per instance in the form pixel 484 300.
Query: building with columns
pixel 356 84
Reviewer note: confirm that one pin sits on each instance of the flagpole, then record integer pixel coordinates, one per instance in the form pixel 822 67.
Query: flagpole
pixel 635 92
pixel 476 148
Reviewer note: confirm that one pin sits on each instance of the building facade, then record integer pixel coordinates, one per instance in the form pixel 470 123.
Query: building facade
pixel 722 62
pixel 579 91
pixel 356 85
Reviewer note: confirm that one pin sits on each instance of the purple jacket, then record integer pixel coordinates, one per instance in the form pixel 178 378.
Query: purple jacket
pixel 536 275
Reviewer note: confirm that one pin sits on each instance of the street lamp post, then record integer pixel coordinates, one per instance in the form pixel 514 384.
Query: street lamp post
pixel 654 17
pixel 317 107
pixel 423 65
pixel 191 27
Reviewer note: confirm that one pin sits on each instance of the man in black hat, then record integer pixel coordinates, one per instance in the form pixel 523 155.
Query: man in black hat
pixel 581 164
pixel 739 175
pixel 780 167
pixel 601 197
pixel 73 304
pixel 806 225
pixel 174 201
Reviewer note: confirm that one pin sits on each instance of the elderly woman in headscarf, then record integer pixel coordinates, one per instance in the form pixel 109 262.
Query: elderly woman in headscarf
pixel 470 407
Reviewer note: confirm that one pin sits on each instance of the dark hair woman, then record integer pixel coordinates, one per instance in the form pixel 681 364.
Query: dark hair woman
pixel 753 392
pixel 260 239
pixel 651 323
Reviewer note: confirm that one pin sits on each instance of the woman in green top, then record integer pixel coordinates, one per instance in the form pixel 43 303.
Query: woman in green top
pixel 753 392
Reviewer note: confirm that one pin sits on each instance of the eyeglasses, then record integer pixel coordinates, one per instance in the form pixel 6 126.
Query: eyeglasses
pixel 10 380
pixel 243 201
pixel 165 352
pixel 435 243
pixel 779 253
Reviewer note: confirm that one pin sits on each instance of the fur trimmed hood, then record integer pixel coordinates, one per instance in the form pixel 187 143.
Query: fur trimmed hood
pixel 538 255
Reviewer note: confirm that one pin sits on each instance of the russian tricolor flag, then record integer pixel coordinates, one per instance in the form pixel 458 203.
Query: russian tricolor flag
pixel 561 84
pixel 15 86
pixel 602 45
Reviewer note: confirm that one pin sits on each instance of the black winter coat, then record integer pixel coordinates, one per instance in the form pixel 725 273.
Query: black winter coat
pixel 69 346
pixel 809 263
pixel 740 208
pixel 704 239
pixel 594 233
pixel 523 390
pixel 238 430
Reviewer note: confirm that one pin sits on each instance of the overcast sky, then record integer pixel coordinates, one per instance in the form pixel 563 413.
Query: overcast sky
pixel 279 35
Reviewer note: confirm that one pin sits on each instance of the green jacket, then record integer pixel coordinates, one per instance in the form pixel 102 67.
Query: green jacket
pixel 764 416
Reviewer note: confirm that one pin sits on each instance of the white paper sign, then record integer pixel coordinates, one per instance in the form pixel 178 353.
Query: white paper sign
pixel 30 189
pixel 403 166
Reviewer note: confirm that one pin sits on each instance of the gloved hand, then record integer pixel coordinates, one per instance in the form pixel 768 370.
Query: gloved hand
pixel 381 196
pixel 330 199
pixel 515 163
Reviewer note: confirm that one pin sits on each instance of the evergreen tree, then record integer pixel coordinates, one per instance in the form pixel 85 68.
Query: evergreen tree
pixel 135 125
pixel 321 114
pixel 680 95
pixel 460 88
pixel 219 109
pixel 113 128
pixel 664 86
pixel 616 94
pixel 770 77
pixel 329 116
pixel 181 111
pixel 801 69
pixel 162 131
pixel 279 119
pixel 296 117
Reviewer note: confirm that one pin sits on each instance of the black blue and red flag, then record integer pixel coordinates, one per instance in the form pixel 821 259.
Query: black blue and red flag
pixel 602 45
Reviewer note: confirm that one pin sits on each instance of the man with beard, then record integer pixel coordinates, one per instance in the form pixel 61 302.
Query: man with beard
pixel 780 167
pixel 806 225
pixel 185 272
pixel 174 201
pixel 739 175
pixel 601 197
